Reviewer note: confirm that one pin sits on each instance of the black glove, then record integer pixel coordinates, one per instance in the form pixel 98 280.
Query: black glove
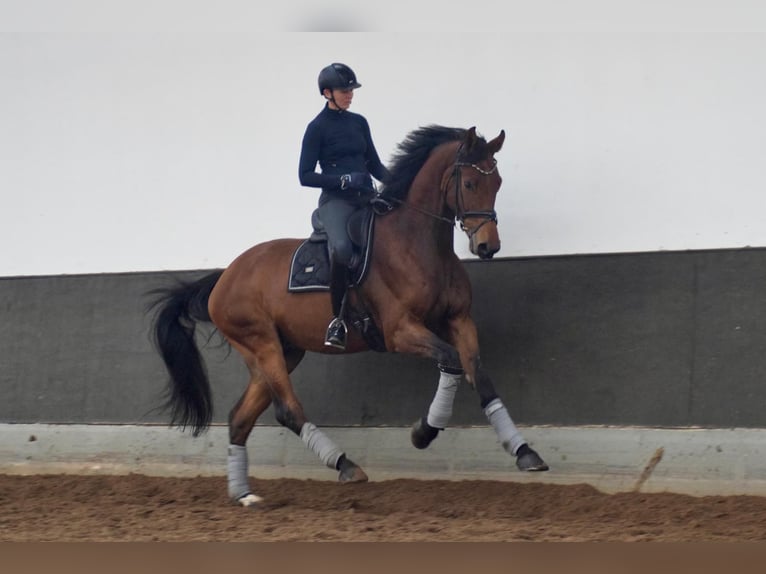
pixel 356 180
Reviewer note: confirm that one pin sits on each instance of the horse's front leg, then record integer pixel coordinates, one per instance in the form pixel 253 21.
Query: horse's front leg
pixel 415 339
pixel 426 429
pixel 463 334
pixel 455 361
pixel 509 435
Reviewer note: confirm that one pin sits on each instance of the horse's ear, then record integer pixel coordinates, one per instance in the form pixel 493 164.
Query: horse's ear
pixel 470 138
pixel 497 143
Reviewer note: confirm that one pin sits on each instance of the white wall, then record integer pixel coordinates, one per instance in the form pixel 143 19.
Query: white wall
pixel 129 145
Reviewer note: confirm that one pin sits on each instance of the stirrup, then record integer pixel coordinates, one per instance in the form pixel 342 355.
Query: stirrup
pixel 336 334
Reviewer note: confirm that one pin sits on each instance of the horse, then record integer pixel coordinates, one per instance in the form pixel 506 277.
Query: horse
pixel 416 293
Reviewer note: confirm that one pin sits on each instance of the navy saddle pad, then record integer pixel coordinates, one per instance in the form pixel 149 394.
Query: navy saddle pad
pixel 310 265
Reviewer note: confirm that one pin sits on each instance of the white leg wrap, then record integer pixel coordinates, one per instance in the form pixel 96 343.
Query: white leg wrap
pixel 321 445
pixel 239 485
pixel 440 411
pixel 509 435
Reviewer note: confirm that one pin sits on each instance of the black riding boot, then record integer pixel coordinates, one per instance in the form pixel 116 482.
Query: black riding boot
pixel 336 330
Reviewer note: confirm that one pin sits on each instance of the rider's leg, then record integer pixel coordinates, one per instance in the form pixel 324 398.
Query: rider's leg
pixel 334 215
pixel 337 329
pixel 339 279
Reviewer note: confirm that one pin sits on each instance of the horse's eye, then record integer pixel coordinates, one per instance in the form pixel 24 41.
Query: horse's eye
pixel 468 184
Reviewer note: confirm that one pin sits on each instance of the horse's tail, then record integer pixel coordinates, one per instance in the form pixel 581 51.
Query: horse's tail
pixel 178 309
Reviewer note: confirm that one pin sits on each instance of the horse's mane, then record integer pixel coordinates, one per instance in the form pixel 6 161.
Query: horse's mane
pixel 412 153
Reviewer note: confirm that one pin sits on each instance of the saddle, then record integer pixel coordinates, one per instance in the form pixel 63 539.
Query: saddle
pixel 310 265
pixel 310 268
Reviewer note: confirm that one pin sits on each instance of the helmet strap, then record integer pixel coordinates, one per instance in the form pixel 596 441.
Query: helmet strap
pixel 334 103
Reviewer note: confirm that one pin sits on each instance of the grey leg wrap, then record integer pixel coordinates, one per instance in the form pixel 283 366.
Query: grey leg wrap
pixel 321 445
pixel 440 411
pixel 239 485
pixel 509 435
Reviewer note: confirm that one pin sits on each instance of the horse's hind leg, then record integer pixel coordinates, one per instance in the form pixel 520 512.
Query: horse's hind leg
pixel 289 413
pixel 242 418
pixel 348 471
pixel 271 369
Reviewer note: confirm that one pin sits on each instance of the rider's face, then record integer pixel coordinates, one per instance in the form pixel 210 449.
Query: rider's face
pixel 342 98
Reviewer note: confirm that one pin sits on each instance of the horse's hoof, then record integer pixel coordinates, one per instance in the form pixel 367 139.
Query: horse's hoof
pixel 249 500
pixel 528 460
pixel 422 434
pixel 350 472
pixel 356 475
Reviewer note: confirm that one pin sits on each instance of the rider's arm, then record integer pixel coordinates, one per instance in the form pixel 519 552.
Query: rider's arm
pixel 307 164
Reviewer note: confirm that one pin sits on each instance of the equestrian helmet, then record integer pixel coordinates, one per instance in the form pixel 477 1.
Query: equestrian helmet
pixel 337 77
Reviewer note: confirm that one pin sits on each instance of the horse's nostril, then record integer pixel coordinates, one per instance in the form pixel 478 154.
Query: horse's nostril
pixel 487 249
pixel 485 252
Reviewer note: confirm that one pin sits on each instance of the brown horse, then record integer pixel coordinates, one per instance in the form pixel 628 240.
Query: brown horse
pixel 416 292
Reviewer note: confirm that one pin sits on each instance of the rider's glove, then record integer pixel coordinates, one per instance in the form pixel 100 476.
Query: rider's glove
pixel 356 180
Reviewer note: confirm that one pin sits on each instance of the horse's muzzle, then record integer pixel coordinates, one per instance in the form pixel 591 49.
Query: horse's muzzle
pixel 484 252
pixel 485 242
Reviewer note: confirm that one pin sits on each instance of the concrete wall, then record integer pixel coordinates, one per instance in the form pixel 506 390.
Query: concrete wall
pixel 648 339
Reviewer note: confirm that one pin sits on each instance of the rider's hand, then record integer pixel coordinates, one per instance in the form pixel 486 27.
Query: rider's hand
pixel 356 180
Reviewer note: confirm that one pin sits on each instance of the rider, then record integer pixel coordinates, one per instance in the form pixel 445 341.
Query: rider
pixel 340 141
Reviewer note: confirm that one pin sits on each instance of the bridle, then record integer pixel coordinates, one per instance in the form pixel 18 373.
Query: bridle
pixel 461 214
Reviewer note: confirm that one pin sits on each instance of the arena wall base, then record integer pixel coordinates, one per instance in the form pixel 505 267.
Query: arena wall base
pixel 612 459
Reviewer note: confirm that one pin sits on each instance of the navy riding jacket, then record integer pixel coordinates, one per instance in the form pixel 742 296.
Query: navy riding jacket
pixel 340 141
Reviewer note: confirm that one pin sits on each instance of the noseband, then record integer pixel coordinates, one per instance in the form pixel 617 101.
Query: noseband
pixel 462 214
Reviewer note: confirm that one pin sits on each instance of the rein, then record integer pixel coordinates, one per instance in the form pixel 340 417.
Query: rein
pixel 423 211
